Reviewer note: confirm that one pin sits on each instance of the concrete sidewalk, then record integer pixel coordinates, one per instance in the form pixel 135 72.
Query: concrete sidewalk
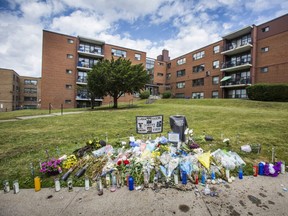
pixel 251 196
pixel 41 116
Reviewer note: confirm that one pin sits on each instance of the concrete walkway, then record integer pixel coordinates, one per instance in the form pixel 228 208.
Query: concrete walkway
pixel 41 116
pixel 251 196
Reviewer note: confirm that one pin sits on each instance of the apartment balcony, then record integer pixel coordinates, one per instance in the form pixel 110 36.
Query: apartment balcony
pixel 81 81
pixel 84 66
pixel 91 53
pixel 230 66
pixel 85 97
pixel 227 82
pixel 232 48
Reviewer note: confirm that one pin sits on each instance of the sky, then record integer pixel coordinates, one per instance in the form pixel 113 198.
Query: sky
pixel 180 26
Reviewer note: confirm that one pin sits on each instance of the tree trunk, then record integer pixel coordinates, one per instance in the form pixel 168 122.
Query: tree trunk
pixel 115 101
pixel 92 102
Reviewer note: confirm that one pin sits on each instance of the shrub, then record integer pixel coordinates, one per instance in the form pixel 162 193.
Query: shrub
pixel 144 94
pixel 268 92
pixel 166 94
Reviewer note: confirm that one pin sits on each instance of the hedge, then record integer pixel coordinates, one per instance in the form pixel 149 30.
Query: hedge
pixel 144 94
pixel 268 92
pixel 166 94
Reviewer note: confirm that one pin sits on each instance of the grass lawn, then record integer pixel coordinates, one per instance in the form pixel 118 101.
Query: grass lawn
pixel 242 121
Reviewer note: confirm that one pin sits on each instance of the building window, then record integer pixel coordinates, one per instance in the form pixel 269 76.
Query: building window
pixel 30 82
pixel 137 56
pixel 216 64
pixel 30 99
pixel 179 95
pixel 169 65
pixel 264 69
pixel 168 76
pixel 181 61
pixel 264 49
pixel 265 29
pixel 82 77
pixel 199 55
pixel 160 63
pixel 239 93
pixel 160 74
pixel 30 90
pixel 68 71
pixel 215 80
pixel 68 101
pixel 216 49
pixel 181 73
pixel 70 41
pixel 246 39
pixel 68 86
pixel 198 95
pixel 198 82
pixel 180 85
pixel 215 94
pixel 70 56
pixel 198 68
pixel 120 53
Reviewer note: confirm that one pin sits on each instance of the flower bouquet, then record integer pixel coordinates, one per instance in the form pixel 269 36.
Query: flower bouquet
pixel 51 167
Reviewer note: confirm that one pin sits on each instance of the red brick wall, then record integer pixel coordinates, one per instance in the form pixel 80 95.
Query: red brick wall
pixel 275 59
pixel 160 68
pixel 276 26
pixel 189 75
pixel 54 66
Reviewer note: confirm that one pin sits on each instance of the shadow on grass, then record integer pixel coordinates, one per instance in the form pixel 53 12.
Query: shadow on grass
pixel 122 108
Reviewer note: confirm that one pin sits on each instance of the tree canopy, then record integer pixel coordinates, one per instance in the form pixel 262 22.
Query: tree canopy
pixel 116 77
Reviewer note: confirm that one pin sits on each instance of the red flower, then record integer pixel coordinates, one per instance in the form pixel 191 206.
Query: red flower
pixel 119 162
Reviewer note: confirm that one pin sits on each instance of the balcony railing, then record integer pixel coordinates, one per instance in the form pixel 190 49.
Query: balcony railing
pixel 237 82
pixel 84 65
pixel 86 97
pixel 229 64
pixel 95 51
pixel 82 79
pixel 231 46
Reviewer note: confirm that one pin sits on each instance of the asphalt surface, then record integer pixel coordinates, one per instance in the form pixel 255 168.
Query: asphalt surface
pixel 260 195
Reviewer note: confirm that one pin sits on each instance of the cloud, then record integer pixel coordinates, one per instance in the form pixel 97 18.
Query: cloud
pixel 192 24
pixel 20 45
pixel 80 22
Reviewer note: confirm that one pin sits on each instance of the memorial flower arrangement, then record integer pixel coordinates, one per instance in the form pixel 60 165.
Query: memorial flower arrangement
pixel 70 161
pixel 51 167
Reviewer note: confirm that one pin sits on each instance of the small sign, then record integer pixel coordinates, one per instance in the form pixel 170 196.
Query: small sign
pixel 173 137
pixel 149 124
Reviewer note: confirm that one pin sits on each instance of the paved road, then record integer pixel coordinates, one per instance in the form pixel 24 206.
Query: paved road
pixel 251 196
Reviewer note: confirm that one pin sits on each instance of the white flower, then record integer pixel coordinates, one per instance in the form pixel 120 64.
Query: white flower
pixel 186 131
pixel 190 132
pixel 226 140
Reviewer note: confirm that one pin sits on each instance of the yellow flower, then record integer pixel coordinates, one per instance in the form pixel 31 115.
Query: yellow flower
pixel 155 154
pixel 69 162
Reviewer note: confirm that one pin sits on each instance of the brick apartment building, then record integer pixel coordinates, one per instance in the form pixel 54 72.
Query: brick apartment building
pixel 18 92
pixel 254 54
pixel 30 92
pixel 9 90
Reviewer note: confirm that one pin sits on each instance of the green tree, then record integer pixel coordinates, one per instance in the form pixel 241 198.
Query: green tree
pixel 115 78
